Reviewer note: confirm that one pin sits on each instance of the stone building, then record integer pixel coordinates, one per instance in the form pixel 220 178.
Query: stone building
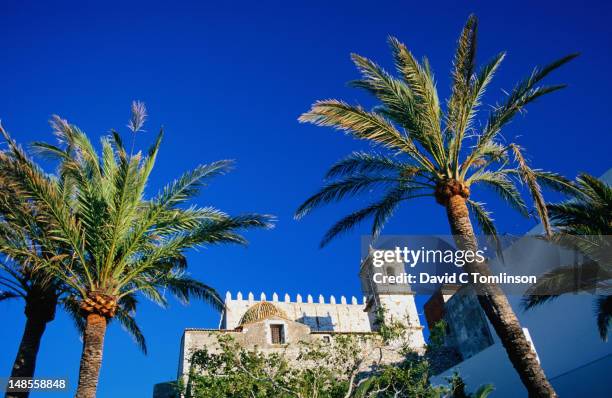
pixel 272 324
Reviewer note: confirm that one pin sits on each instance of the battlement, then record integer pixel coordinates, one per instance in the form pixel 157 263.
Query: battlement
pixel 250 318
pixel 250 298
pixel 320 314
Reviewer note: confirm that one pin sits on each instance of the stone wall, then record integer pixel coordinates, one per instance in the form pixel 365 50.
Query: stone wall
pixel 255 337
pixel 467 327
pixel 402 308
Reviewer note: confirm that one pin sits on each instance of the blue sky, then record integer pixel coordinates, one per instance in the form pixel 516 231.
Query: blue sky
pixel 228 82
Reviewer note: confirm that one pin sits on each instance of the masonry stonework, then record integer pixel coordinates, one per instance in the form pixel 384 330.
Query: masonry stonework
pixel 249 321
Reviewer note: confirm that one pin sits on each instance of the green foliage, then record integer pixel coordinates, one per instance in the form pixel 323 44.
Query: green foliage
pixel 24 242
pixel 408 379
pixel 30 255
pixel 583 224
pixel 388 330
pixel 457 388
pixel 326 370
pixel 426 145
pixel 234 372
pixel 115 241
pixel 437 334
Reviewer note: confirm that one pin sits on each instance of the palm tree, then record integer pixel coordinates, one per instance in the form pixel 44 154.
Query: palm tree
pixel 429 151
pixel 120 243
pixel 22 241
pixel 23 273
pixel 583 224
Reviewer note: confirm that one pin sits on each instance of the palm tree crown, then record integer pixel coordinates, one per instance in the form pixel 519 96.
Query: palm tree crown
pixel 33 255
pixel 432 151
pixel 117 242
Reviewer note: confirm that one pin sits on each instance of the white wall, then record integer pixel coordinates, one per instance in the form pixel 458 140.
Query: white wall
pixel 573 356
pixel 340 315
pixel 575 359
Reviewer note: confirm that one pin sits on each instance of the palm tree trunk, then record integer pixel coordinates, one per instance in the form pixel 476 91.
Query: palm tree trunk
pixel 25 362
pixel 497 308
pixel 39 311
pixel 91 358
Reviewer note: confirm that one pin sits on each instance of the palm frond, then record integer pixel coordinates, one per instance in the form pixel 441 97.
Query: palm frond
pixel 421 83
pixel 465 57
pixel 523 93
pixel 5 295
pixel 483 391
pixel 363 162
pixel 182 220
pixel 588 213
pixel 426 104
pixel 346 223
pixel 71 306
pixel 77 141
pixel 477 89
pixel 566 279
pixel 337 190
pixel 35 185
pixel 397 99
pixel 481 81
pixel 530 178
pixel 583 226
pixel 483 157
pixel 380 211
pixel 189 184
pixel 145 282
pixel 49 151
pixel 503 186
pixel 357 121
pixel 486 224
pixel 555 181
pixel 129 324
pixel 385 209
pixel 225 230
pixel 459 107
pixel 184 288
pixel 598 192
pixel 149 160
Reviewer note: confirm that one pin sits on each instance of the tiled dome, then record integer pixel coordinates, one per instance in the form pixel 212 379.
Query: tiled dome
pixel 261 310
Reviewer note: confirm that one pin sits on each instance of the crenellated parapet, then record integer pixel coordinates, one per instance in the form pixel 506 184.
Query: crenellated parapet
pixel 250 297
pixel 318 312
pixel 259 319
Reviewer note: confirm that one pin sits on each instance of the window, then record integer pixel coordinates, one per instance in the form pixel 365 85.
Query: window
pixel 327 339
pixel 278 334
